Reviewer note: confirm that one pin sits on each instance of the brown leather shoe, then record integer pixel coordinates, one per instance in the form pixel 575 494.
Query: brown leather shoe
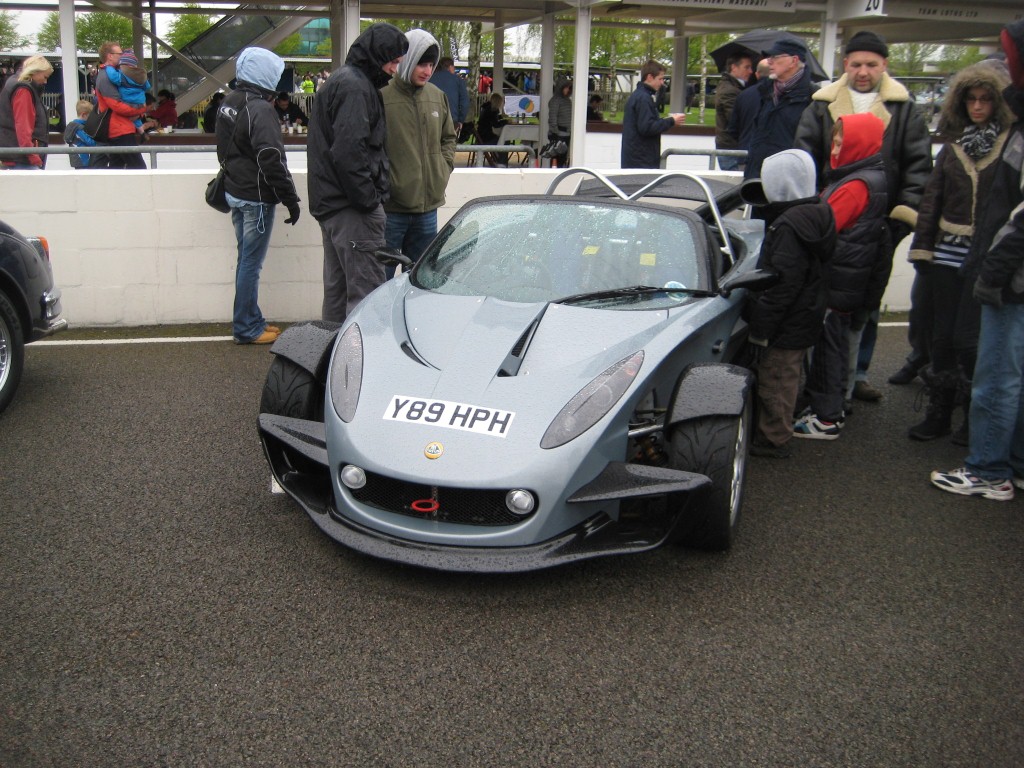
pixel 273 329
pixel 267 337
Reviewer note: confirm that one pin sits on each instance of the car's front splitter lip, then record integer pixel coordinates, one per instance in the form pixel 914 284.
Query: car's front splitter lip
pixel 597 537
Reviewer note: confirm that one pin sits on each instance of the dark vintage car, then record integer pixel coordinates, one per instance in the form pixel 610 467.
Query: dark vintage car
pixel 29 303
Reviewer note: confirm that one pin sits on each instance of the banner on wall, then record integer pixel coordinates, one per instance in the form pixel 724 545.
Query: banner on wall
pixel 523 104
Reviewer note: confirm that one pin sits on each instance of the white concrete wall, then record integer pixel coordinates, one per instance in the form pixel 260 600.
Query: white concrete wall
pixel 143 248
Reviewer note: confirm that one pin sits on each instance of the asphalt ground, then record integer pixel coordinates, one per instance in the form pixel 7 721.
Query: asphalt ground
pixel 161 607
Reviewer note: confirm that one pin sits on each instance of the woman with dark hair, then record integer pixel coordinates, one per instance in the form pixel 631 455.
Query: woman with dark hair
pixel 975 121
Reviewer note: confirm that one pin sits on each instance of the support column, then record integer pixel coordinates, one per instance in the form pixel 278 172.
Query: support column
pixel 499 54
pixel 581 80
pixel 68 58
pixel 827 42
pixel 680 61
pixel 547 72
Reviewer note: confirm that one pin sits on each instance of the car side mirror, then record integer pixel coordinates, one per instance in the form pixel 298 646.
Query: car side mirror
pixel 389 257
pixel 755 280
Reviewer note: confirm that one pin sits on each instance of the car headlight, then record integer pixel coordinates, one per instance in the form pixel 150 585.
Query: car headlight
pixel 347 373
pixel 592 402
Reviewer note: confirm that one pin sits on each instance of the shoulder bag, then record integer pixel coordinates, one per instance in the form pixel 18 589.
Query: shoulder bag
pixel 216 190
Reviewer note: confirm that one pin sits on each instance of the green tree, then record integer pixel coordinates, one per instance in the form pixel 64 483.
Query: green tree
pixel 9 36
pixel 91 30
pixel 291 46
pixel 908 59
pixel 186 27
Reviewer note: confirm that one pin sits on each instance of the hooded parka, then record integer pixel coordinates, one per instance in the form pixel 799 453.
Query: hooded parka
pixel 249 134
pixel 347 164
pixel 421 138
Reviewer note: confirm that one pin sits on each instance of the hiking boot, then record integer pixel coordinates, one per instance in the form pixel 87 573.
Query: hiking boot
pixel 273 329
pixel 904 375
pixel 267 337
pixel 864 391
pixel 810 426
pixel 938 416
pixel 964 483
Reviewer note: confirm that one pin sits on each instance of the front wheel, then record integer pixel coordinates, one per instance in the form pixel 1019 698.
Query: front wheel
pixel 291 390
pixel 12 351
pixel 715 446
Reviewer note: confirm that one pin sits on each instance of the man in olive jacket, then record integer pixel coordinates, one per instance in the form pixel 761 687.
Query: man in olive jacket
pixel 348 173
pixel 420 144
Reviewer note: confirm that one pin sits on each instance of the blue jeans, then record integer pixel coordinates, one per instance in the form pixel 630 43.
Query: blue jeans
pixel 997 397
pixel 409 233
pixel 728 162
pixel 253 222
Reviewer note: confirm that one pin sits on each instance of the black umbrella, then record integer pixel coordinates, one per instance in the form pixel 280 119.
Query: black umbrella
pixel 757 43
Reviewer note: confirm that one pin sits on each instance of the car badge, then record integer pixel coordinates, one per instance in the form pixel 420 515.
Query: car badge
pixel 433 450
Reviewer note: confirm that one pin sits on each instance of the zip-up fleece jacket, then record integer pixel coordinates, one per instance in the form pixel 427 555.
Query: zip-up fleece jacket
pixel 347 165
pixel 859 271
pixel 253 156
pixel 420 146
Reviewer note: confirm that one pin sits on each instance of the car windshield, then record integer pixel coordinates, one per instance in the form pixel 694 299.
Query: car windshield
pixel 555 248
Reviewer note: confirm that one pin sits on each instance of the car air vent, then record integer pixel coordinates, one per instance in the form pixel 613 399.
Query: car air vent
pixel 510 367
pixel 411 354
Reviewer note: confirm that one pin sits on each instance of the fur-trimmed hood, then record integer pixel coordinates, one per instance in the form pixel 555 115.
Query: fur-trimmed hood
pixel 953 118
pixel 837 96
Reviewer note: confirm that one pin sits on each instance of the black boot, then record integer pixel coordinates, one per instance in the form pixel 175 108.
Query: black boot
pixel 963 399
pixel 939 413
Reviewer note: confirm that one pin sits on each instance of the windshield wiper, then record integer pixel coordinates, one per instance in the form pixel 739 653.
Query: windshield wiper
pixel 630 291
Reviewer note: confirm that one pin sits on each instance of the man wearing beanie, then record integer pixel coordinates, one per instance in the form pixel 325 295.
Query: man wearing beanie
pixel 349 177
pixel 995 457
pixel 256 178
pixel 420 145
pixel 906 149
pixel 782 99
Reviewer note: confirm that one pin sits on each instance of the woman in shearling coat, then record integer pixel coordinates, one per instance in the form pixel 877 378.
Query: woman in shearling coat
pixel 975 121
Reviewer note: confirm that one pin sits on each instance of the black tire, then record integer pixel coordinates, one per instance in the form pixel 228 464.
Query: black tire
pixel 291 390
pixel 715 446
pixel 12 351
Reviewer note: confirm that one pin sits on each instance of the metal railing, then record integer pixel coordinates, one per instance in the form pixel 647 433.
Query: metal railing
pixel 713 154
pixel 156 149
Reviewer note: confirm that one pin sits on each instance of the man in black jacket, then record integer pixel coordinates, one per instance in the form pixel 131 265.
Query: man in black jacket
pixel 348 169
pixel 906 148
pixel 256 178
pixel 642 126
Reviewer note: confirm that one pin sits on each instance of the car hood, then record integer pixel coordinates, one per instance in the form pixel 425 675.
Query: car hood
pixel 526 358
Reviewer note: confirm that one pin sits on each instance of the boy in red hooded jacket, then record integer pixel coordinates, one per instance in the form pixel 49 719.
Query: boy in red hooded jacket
pixel 858 272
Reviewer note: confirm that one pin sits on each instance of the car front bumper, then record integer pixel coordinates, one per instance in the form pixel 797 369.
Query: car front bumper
pixel 638 527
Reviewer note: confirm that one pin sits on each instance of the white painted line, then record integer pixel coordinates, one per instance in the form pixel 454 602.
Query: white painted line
pixel 192 339
pixel 158 340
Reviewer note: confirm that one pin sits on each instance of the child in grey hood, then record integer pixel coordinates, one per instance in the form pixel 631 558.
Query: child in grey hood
pixel 786 319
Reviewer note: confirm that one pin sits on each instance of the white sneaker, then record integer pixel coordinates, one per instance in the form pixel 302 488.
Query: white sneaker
pixel 964 483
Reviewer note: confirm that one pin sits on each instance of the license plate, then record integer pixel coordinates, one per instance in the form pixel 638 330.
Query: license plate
pixel 443 413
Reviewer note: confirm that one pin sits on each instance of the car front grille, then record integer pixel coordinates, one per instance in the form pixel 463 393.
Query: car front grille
pixel 465 506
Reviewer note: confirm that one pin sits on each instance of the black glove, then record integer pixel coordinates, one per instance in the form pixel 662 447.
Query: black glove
pixel 859 319
pixel 293 212
pixel 988 294
pixel 898 230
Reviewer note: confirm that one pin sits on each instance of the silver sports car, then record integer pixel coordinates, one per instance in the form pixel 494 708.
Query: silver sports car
pixel 555 379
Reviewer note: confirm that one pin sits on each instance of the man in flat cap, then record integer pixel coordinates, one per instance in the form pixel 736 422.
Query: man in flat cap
pixel 782 100
pixel 906 147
